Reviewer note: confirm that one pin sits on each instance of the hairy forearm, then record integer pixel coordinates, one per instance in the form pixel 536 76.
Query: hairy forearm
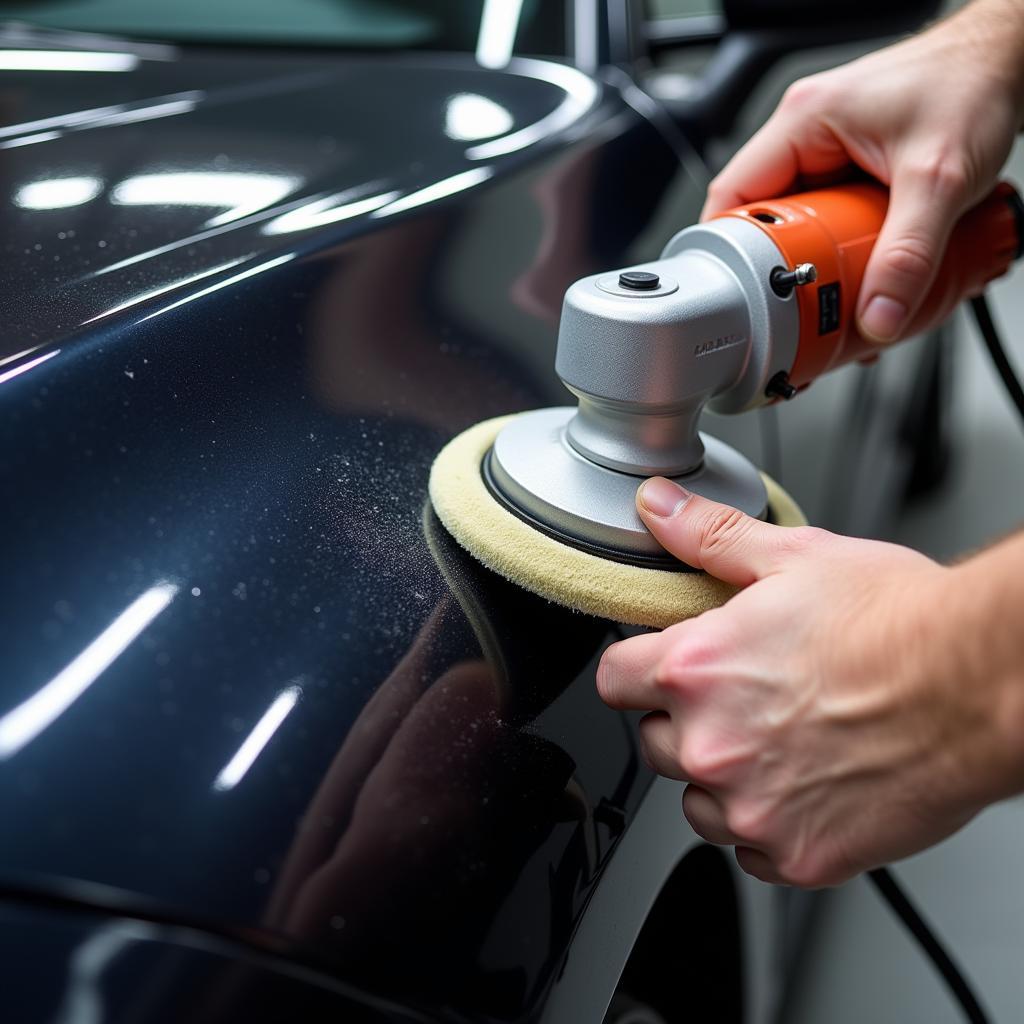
pixel 994 31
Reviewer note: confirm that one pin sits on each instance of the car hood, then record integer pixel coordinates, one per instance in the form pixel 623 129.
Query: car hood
pixel 127 176
pixel 248 298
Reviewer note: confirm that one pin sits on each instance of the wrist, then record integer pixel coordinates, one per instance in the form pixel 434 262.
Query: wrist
pixel 979 660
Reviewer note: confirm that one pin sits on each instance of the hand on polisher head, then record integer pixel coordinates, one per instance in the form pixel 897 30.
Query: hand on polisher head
pixel 827 718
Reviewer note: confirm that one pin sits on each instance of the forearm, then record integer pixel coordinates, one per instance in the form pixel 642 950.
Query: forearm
pixel 994 31
pixel 980 636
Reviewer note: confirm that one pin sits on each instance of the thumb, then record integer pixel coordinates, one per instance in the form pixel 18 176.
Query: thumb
pixel 725 542
pixel 923 208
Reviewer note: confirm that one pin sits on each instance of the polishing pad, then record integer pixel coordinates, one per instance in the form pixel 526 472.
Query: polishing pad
pixel 632 594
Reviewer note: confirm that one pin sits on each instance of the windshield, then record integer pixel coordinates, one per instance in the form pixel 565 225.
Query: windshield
pixel 525 26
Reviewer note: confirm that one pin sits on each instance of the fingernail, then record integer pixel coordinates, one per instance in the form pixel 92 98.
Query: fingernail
pixel 883 318
pixel 662 497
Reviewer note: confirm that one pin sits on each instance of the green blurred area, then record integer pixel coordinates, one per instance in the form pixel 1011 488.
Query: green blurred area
pixel 442 25
pixel 434 24
pixel 353 22
pixel 682 8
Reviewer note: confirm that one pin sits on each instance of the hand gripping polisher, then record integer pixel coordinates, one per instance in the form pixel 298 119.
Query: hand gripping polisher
pixel 739 312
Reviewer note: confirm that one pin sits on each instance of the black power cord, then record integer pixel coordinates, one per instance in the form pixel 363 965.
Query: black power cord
pixel 897 899
pixel 989 334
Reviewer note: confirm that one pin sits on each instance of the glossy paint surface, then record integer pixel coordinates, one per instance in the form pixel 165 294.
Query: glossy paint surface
pixel 63 965
pixel 246 679
pixel 155 177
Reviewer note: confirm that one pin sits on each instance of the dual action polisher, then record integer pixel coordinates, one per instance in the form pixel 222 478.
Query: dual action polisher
pixel 739 312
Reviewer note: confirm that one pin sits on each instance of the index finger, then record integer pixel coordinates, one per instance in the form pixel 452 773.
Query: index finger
pixel 773 161
pixel 625 676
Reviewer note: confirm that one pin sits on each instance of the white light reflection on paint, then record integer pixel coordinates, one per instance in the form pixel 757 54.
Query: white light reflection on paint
pixel 150 113
pixel 234 771
pixel 25 722
pixel 98 117
pixel 157 292
pixel 8 374
pixel 469 116
pixel 499 23
pixel 71 120
pixel 439 190
pixel 238 193
pixel 84 1001
pixel 66 60
pixel 188 241
pixel 581 94
pixel 330 210
pixel 30 140
pixel 24 352
pixel 209 290
pixel 57 193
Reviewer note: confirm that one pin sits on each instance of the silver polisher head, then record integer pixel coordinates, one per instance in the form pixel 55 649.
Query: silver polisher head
pixel 645 351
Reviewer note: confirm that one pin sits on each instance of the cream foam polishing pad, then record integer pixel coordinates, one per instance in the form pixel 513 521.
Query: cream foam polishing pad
pixel 632 594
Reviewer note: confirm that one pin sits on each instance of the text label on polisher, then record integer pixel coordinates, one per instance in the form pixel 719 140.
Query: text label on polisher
pixel 717 344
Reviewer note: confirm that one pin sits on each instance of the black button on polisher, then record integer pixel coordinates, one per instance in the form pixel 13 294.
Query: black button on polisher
pixel 639 280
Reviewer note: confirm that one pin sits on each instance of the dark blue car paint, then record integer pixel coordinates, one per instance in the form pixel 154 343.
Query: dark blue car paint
pixel 233 420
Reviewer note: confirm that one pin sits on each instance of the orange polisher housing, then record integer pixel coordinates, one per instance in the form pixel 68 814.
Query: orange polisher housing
pixel 836 228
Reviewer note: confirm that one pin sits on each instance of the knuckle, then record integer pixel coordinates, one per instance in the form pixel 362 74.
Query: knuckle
pixel 721 528
pixel 805 94
pixel 952 178
pixel 801 539
pixel 717 188
pixel 685 670
pixel 700 760
pixel 911 256
pixel 674 755
pixel 696 648
pixel 669 675
pixel 691 761
pixel 946 174
pixel 748 821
